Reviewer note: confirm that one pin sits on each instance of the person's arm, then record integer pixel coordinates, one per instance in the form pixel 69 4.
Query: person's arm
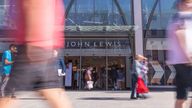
pixel 180 34
pixel 63 65
pixel 89 75
pixel 6 61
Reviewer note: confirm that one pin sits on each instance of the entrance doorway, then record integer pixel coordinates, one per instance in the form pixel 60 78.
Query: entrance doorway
pixel 116 72
pixel 109 72
pixel 98 63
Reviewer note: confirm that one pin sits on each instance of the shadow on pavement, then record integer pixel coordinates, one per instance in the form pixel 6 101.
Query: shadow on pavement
pixel 30 99
pixel 106 98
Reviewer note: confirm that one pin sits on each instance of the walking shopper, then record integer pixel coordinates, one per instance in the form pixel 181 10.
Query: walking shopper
pixel 180 50
pixel 7 63
pixel 39 32
pixel 88 78
pixel 138 86
pixel 145 71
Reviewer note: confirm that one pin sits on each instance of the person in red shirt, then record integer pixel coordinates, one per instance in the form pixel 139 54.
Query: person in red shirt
pixel 40 25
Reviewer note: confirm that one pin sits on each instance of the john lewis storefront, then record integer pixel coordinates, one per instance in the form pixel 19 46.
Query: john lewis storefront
pixel 102 51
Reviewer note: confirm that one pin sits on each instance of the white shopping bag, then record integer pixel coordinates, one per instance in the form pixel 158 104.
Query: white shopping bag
pixel 89 84
pixel 60 73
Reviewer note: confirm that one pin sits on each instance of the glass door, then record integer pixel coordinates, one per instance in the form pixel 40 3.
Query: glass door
pixel 116 73
pixel 98 63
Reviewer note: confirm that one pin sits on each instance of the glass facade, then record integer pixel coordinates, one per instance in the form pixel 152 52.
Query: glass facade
pixel 163 10
pixel 98 12
pixel 8 12
pixel 156 15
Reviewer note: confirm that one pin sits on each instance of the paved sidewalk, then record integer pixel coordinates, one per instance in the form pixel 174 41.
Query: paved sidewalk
pixel 103 99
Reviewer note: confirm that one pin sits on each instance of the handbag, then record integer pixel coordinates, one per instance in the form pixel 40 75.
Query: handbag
pixel 141 87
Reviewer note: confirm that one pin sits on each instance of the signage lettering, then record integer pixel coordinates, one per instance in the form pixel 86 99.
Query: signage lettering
pixel 94 44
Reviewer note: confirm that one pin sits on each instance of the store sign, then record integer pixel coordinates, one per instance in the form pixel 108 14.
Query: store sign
pixel 156 44
pixel 99 44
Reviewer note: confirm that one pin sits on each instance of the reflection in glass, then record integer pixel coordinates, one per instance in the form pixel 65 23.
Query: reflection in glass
pixel 163 12
pixel 99 12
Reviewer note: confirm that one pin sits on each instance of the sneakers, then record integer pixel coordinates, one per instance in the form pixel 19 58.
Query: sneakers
pixel 134 98
pixel 13 96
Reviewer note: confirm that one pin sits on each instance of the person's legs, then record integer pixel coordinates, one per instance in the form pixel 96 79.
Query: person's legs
pixel 8 102
pixel 179 103
pixel 133 87
pixel 3 85
pixel 190 104
pixel 181 92
pixel 56 97
pixel 183 81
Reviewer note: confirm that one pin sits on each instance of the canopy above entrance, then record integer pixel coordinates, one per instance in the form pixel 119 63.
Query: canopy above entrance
pixel 97 52
pixel 78 28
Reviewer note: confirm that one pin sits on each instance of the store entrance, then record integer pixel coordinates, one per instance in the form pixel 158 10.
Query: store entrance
pixel 109 72
pixel 98 63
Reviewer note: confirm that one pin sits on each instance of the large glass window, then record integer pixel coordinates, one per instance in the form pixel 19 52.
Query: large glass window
pixel 127 9
pixel 2 13
pixel 84 12
pixel 2 2
pixel 66 3
pixel 99 12
pixel 8 13
pixel 103 10
pixel 162 13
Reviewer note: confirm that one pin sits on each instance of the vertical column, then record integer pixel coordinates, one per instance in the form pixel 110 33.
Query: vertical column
pixel 137 9
pixel 106 69
pixel 128 72
pixel 81 73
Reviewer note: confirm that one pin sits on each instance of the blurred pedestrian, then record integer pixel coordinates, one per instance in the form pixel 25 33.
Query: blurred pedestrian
pixel 120 78
pixel 145 70
pixel 88 78
pixel 138 88
pixel 7 62
pixel 39 32
pixel 180 50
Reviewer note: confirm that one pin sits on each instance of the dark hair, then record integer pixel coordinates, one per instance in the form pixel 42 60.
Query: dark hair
pixel 12 46
pixel 182 1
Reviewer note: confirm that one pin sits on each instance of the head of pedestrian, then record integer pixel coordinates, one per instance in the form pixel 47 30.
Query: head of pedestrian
pixel 184 5
pixel 13 48
pixel 140 57
pixel 90 68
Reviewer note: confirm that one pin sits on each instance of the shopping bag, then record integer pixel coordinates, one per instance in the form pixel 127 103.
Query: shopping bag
pixel 141 87
pixel 89 84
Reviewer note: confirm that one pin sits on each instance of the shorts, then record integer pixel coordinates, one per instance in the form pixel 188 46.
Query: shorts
pixel 34 69
pixel 183 80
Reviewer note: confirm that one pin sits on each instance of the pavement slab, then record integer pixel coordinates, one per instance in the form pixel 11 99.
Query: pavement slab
pixel 103 99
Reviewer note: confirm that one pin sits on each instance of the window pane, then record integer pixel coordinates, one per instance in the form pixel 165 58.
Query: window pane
pixel 99 12
pixel 163 12
pixel 85 12
pixel 126 7
pixel 66 3
pixel 103 11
